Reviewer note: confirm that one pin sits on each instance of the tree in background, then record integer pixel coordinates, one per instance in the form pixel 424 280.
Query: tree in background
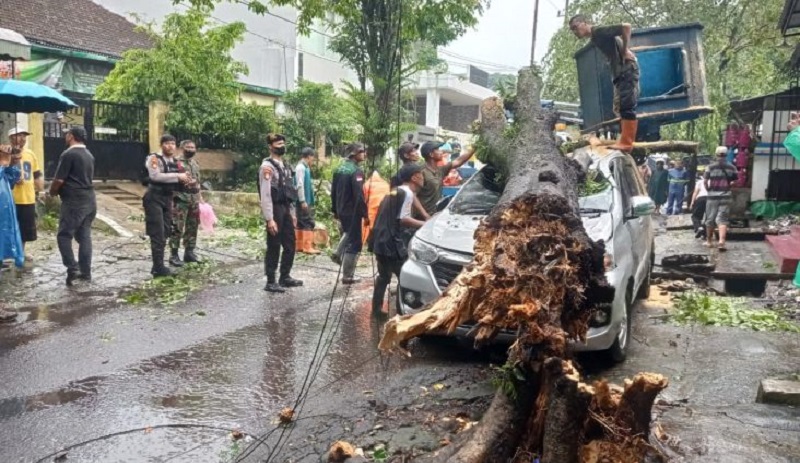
pixel 740 40
pixel 190 67
pixel 384 42
pixel 314 111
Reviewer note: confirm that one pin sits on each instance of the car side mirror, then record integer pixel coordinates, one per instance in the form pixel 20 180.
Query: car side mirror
pixel 443 203
pixel 642 206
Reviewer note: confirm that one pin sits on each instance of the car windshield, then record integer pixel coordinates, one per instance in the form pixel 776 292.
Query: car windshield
pixel 479 195
pixel 482 192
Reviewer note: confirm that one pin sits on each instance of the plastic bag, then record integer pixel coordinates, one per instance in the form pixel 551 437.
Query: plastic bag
pixel 207 217
pixel 792 143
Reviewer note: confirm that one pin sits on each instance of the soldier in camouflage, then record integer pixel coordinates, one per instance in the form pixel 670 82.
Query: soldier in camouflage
pixel 186 209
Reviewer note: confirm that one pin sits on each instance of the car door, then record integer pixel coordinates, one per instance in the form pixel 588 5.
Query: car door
pixel 637 227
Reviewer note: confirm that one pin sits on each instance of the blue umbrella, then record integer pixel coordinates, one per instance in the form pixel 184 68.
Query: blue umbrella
pixel 20 96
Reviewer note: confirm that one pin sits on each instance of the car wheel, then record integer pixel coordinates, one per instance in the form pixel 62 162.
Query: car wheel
pixel 644 288
pixel 619 350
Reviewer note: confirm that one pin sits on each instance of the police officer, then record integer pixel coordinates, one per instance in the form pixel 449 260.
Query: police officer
pixel 163 180
pixel 350 208
pixel 278 198
pixel 186 209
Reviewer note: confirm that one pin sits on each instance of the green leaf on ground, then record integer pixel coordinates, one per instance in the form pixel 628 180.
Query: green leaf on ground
pixel 705 309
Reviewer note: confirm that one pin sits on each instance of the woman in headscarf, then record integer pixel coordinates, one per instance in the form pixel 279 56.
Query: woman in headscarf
pixel 659 186
pixel 10 240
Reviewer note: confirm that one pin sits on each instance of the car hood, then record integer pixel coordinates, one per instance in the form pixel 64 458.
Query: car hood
pixel 454 232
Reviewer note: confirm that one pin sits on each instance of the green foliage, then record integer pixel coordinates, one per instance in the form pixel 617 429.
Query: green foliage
pixel 48 221
pixel 595 183
pixel 507 379
pixel 174 289
pixel 741 48
pixel 384 42
pixel 314 111
pixel 253 224
pixel 190 67
pixel 725 311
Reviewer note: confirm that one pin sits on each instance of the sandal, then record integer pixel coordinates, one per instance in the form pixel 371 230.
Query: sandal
pixel 722 247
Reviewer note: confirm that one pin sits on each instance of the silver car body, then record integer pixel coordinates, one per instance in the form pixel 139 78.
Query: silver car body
pixel 629 244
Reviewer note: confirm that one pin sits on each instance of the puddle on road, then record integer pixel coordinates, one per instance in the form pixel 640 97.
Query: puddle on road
pixel 241 379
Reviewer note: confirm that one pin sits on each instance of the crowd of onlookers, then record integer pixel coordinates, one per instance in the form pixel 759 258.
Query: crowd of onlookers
pixel 709 202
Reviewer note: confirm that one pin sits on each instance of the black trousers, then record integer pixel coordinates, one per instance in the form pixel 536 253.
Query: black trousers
pixel 158 221
pixel 305 220
pixel 387 267
pixel 284 239
pixel 352 226
pixel 76 223
pixel 697 214
pixel 626 93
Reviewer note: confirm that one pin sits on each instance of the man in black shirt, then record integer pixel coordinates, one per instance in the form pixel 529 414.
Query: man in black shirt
pixel 614 43
pixel 394 227
pixel 350 208
pixel 73 182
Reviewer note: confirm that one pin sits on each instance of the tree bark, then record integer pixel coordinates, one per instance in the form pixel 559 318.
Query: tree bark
pixel 639 149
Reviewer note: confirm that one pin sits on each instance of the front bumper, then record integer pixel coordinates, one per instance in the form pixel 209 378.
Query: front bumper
pixel 418 286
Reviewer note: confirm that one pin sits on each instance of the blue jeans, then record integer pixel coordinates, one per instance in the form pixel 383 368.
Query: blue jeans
pixel 675 202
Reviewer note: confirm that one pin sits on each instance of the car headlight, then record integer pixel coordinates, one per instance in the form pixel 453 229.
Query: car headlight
pixel 422 252
pixel 608 262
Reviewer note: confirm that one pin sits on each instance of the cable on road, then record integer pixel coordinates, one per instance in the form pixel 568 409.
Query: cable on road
pixel 144 429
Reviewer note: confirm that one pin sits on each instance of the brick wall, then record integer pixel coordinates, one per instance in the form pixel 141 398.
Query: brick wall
pixel 216 160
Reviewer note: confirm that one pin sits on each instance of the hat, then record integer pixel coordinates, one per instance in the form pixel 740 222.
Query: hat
pixel 353 148
pixel 408 171
pixel 406 149
pixel 429 147
pixel 446 147
pixel 722 151
pixel 273 137
pixel 17 131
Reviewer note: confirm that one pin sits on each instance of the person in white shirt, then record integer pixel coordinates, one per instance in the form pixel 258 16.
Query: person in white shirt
pixel 393 229
pixel 698 207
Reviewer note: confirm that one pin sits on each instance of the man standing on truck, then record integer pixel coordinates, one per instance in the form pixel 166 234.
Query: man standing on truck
pixel 614 43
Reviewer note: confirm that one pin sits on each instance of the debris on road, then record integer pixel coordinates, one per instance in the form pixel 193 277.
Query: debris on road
pixel 286 415
pixel 341 451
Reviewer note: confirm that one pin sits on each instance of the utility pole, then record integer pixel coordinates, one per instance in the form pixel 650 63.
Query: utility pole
pixel 533 38
pixel 566 13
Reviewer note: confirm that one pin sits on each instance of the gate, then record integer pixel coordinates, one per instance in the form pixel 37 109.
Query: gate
pixel 784 169
pixel 117 137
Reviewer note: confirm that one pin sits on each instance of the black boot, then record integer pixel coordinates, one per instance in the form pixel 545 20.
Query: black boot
pixel 175 259
pixel 349 269
pixel 72 277
pixel 159 269
pixel 289 282
pixel 189 257
pixel 272 286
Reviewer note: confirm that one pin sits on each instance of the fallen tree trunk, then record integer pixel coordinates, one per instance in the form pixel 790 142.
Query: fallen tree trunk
pixel 640 149
pixel 536 272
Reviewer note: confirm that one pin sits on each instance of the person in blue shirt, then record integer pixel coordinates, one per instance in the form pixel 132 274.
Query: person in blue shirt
pixel 678 179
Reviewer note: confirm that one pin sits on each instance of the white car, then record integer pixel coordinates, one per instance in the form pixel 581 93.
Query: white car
pixel 619 215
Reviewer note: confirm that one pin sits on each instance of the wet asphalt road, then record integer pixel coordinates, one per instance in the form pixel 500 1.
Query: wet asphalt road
pixel 230 357
pixel 233 356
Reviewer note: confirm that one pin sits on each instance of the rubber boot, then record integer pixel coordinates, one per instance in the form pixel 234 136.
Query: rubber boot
pixel 336 257
pixel 628 136
pixel 189 256
pixel 349 262
pixel 298 241
pixel 159 269
pixel 289 282
pixel 175 259
pixel 308 242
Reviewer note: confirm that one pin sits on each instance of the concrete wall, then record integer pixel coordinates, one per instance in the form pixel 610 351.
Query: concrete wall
pixel 231 203
pixel 257 98
pixel 457 118
pixel 268 47
pixel 318 63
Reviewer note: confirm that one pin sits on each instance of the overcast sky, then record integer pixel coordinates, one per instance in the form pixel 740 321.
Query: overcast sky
pixel 503 35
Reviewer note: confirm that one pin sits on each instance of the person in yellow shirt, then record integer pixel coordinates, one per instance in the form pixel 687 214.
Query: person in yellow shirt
pixel 30 183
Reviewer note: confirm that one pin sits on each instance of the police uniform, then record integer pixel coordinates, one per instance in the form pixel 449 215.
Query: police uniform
pixel 278 197
pixel 163 172
pixel 186 213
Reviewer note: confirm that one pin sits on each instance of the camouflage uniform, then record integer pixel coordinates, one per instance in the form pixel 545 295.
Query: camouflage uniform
pixel 186 211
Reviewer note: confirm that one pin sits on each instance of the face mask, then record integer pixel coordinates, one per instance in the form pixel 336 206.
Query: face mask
pixel 189 154
pixel 279 151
